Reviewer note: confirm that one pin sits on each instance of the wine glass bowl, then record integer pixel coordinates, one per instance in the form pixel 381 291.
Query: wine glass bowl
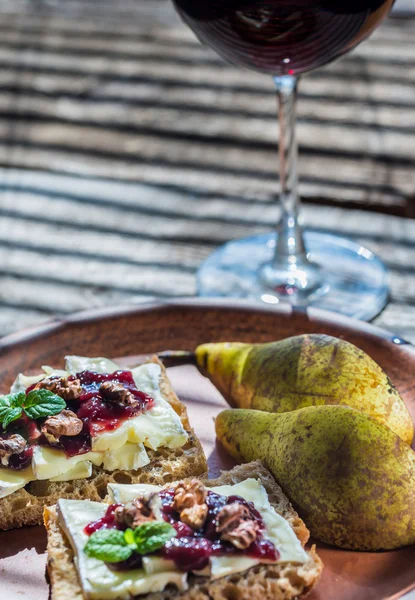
pixel 282 37
pixel 285 38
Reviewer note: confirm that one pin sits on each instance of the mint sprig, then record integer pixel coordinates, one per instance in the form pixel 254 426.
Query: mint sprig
pixel 112 545
pixel 108 545
pixel 37 404
pixel 43 403
pixel 11 408
pixel 151 536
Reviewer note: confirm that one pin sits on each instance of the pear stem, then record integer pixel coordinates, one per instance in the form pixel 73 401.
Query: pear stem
pixel 174 358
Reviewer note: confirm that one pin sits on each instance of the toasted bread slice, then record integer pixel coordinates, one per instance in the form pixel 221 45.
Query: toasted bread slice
pixel 25 506
pixel 286 581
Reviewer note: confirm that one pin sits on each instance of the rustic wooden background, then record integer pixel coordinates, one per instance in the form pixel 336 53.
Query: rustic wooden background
pixel 128 152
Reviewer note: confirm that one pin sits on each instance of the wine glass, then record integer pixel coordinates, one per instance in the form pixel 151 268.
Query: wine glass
pixel 284 38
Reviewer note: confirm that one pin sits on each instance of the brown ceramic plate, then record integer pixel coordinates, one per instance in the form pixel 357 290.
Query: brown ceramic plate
pixel 181 325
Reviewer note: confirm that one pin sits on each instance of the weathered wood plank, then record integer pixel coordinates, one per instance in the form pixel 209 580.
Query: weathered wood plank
pixel 138 151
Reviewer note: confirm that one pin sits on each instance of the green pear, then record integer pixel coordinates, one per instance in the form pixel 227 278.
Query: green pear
pixel 351 478
pixel 306 370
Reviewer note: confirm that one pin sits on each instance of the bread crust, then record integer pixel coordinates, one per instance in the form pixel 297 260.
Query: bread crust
pixel 25 506
pixel 263 582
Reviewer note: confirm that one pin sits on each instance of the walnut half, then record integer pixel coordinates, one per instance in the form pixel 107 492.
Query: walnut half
pixel 65 423
pixel 65 388
pixel 139 511
pixel 235 526
pixel 112 391
pixel 15 444
pixel 190 503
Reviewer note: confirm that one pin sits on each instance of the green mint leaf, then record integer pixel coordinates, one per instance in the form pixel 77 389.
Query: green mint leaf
pixel 151 536
pixel 12 415
pixel 43 403
pixel 108 545
pixel 11 408
pixel 129 537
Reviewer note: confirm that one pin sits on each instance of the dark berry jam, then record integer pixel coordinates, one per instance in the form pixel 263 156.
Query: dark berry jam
pixel 192 550
pixel 33 431
pixel 263 550
pixel 100 415
pixel 91 381
pixel 254 514
pixel 106 522
pixel 134 562
pixel 182 530
pixel 17 462
pixel 76 444
pixel 214 503
pixel 167 497
pixel 188 553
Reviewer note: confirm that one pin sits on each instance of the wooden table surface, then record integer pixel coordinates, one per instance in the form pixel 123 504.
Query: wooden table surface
pixel 128 152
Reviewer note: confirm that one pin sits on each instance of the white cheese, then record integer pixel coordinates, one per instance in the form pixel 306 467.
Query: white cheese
pixel 11 481
pixel 155 564
pixel 77 364
pixel 279 530
pixel 163 426
pixel 97 580
pixel 221 566
pixel 120 493
pixel 22 382
pixel 55 372
pixel 50 462
pixel 112 440
pixel 158 426
pixel 82 470
pixel 129 458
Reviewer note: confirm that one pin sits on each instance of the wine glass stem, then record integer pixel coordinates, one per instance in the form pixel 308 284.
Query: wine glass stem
pixel 290 274
pixel 290 245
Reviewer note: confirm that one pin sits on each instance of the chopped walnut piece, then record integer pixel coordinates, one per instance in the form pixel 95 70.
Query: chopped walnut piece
pixel 195 516
pixel 65 423
pixel 135 513
pixel 15 444
pixel 190 502
pixel 235 526
pixel 243 536
pixel 116 392
pixel 65 388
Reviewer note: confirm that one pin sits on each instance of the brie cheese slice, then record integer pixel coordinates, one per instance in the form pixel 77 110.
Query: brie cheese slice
pixel 77 364
pixel 81 470
pixel 50 462
pixel 22 382
pixel 279 531
pixel 120 493
pixel 11 481
pixel 155 427
pixel 128 458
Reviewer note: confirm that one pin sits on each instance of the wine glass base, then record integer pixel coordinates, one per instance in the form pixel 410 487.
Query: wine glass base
pixel 354 279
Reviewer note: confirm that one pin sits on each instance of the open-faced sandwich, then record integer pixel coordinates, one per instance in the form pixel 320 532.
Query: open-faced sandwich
pixel 68 434
pixel 233 538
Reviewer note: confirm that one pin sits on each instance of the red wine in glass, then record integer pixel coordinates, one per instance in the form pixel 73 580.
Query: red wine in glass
pixel 282 37
pixel 285 38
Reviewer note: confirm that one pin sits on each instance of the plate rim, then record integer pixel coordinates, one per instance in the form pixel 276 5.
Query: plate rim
pixel 54 325
pixel 320 316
